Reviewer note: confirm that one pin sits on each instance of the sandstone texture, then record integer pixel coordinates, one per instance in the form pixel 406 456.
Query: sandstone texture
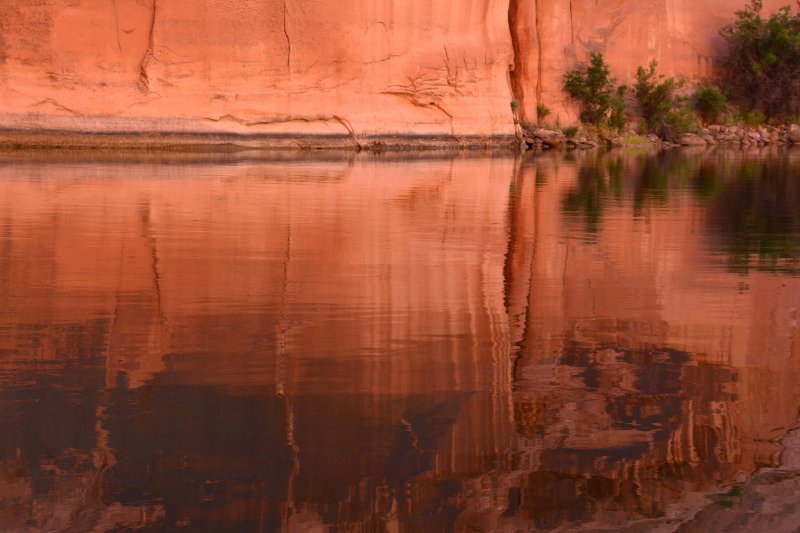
pixel 356 67
pixel 349 70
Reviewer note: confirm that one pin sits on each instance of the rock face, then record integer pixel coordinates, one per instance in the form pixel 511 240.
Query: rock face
pixel 359 67
pixel 549 138
pixel 690 139
pixel 353 69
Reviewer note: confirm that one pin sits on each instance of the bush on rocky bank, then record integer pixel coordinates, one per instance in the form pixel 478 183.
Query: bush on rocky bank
pixel 760 75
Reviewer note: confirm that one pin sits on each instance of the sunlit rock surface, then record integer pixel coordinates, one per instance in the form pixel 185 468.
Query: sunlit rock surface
pixel 343 72
pixel 357 67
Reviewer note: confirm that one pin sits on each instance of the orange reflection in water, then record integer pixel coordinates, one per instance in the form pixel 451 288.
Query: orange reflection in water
pixel 378 342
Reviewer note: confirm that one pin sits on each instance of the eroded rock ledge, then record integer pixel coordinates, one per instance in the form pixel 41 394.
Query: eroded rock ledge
pixel 350 73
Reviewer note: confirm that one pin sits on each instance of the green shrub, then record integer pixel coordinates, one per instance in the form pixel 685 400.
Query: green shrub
pixel 515 105
pixel 617 119
pixel 542 112
pixel 635 140
pixel 761 67
pixel 711 103
pixel 602 102
pixel 570 132
pixel 682 119
pixel 656 96
pixel 752 117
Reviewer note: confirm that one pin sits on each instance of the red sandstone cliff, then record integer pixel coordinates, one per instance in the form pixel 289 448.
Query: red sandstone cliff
pixel 354 69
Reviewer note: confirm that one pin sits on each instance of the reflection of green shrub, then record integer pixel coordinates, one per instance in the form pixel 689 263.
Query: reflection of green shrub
pixel 656 96
pixel 756 212
pixel 711 103
pixel 599 179
pixel 602 102
pixel 751 206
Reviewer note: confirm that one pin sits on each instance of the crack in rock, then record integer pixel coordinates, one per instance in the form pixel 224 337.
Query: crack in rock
pixel 144 79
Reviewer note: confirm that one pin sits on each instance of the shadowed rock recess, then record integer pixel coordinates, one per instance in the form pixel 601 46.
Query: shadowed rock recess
pixel 315 73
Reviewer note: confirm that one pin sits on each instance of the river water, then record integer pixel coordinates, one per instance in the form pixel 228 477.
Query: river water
pixel 342 342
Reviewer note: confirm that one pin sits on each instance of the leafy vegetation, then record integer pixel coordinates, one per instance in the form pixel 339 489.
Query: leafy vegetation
pixel 752 206
pixel 682 119
pixel 542 112
pixel 761 68
pixel 752 118
pixel 571 132
pixel 663 111
pixel 759 82
pixel 711 103
pixel 602 101
pixel 656 96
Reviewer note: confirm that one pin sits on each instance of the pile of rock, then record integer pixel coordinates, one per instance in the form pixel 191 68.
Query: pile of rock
pixel 543 138
pixel 742 136
pixel 582 142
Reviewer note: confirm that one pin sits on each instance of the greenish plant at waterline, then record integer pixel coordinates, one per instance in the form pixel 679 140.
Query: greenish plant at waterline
pixel 656 96
pixel 542 112
pixel 681 119
pixel 711 103
pixel 752 117
pixel 602 101
pixel 570 132
pixel 760 69
pixel 635 140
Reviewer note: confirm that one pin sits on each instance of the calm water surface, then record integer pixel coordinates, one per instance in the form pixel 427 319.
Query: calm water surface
pixel 378 343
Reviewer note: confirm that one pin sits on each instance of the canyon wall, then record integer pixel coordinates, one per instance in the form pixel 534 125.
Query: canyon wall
pixel 349 70
pixel 352 68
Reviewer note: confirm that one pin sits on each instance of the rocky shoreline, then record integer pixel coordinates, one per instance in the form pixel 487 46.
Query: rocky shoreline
pixel 531 138
pixel 738 135
pixel 214 141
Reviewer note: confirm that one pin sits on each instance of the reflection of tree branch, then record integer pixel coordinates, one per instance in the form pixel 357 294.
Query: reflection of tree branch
pixel 281 374
pixel 151 240
pixel 291 505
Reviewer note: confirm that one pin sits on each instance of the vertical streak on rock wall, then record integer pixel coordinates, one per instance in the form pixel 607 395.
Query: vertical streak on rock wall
pixel 539 46
pixel 520 13
pixel 144 79
pixel 543 34
pixel 515 69
pixel 288 39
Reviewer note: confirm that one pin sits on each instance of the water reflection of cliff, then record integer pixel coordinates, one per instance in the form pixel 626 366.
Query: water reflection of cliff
pixel 649 374
pixel 380 344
